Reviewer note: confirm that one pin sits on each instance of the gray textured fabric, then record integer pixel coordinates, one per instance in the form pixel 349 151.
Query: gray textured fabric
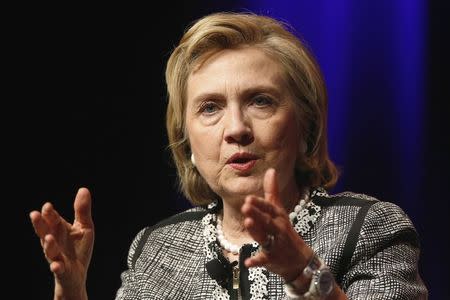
pixel 371 247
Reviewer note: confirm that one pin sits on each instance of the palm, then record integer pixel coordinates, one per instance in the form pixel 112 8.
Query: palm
pixel 75 241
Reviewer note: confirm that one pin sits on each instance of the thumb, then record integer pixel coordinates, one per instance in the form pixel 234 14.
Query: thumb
pixel 82 207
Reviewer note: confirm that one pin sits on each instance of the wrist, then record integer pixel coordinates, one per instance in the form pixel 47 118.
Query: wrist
pixel 299 283
pixel 314 282
pixel 61 293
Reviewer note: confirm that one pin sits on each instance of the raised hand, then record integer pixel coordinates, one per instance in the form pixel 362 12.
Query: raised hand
pixel 67 247
pixel 268 222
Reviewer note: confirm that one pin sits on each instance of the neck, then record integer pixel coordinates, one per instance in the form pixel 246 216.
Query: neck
pixel 235 234
pixel 233 225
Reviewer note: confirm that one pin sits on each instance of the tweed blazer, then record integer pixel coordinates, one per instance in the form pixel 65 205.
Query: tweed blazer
pixel 371 247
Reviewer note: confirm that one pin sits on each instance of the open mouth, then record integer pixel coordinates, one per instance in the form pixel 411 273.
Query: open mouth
pixel 242 161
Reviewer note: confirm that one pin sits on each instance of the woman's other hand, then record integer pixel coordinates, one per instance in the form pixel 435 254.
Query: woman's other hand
pixel 67 247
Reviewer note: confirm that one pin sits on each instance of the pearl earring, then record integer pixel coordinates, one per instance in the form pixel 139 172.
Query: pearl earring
pixel 193 159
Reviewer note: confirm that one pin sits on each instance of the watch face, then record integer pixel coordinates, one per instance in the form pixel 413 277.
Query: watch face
pixel 325 282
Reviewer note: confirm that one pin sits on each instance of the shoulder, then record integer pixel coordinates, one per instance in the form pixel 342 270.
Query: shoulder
pixel 345 211
pixel 359 227
pixel 378 212
pixel 181 218
pixel 387 223
pixel 177 227
pixel 189 219
pixel 374 209
pixel 372 214
pixel 370 222
pixel 344 199
pixel 380 243
pixel 189 215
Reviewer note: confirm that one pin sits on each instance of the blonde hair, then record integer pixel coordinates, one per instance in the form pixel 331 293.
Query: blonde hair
pixel 230 30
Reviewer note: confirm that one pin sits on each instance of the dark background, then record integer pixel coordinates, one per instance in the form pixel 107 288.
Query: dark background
pixel 86 106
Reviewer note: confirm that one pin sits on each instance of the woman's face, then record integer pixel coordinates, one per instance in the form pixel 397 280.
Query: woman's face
pixel 240 121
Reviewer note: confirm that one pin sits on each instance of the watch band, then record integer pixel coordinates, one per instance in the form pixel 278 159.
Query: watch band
pixel 322 281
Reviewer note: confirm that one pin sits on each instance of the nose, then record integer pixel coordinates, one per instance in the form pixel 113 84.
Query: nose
pixel 237 128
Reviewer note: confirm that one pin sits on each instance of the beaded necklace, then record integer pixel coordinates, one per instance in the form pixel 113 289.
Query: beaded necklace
pixel 233 248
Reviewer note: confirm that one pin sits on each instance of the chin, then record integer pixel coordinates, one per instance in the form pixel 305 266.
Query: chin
pixel 244 186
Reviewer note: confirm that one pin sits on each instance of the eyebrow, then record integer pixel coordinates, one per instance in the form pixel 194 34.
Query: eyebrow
pixel 245 93
pixel 276 92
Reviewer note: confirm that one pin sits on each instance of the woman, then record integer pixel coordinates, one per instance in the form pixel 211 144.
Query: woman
pixel 246 121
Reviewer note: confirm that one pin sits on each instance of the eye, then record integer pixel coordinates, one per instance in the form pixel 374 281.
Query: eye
pixel 262 100
pixel 208 107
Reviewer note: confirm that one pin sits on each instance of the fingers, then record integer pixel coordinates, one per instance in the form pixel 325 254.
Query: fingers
pixel 258 212
pixel 260 219
pixel 46 221
pixel 266 220
pixel 261 210
pixel 39 225
pixel 66 244
pixel 57 267
pixel 53 255
pixel 256 260
pixel 82 207
pixel 50 215
pixel 51 248
pixel 270 185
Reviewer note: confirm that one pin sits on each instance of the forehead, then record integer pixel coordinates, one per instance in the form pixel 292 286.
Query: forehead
pixel 241 68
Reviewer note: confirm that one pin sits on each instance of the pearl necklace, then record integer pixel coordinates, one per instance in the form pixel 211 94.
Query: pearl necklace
pixel 258 277
pixel 234 249
pixel 301 204
pixel 223 242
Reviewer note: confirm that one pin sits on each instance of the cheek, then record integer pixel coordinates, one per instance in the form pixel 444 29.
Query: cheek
pixel 205 143
pixel 281 134
pixel 288 147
